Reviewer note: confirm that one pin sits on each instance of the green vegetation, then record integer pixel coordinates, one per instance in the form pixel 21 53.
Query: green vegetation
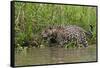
pixel 32 18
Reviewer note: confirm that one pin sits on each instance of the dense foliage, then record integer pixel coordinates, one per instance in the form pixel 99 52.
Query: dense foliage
pixel 32 18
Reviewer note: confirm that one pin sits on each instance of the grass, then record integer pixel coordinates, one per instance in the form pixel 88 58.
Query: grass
pixel 32 18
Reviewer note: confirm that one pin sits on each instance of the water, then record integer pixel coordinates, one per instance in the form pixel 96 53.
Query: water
pixel 52 55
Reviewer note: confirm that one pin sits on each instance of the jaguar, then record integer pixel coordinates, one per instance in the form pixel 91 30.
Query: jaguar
pixel 61 35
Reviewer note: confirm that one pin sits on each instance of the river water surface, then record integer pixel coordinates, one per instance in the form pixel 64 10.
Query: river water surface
pixel 52 55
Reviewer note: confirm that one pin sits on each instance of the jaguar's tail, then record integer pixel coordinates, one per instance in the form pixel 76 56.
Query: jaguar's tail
pixel 90 32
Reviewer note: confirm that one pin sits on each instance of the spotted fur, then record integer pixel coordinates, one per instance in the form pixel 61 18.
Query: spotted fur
pixel 65 34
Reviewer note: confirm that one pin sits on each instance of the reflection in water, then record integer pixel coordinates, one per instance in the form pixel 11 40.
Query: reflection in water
pixel 52 55
pixel 57 55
